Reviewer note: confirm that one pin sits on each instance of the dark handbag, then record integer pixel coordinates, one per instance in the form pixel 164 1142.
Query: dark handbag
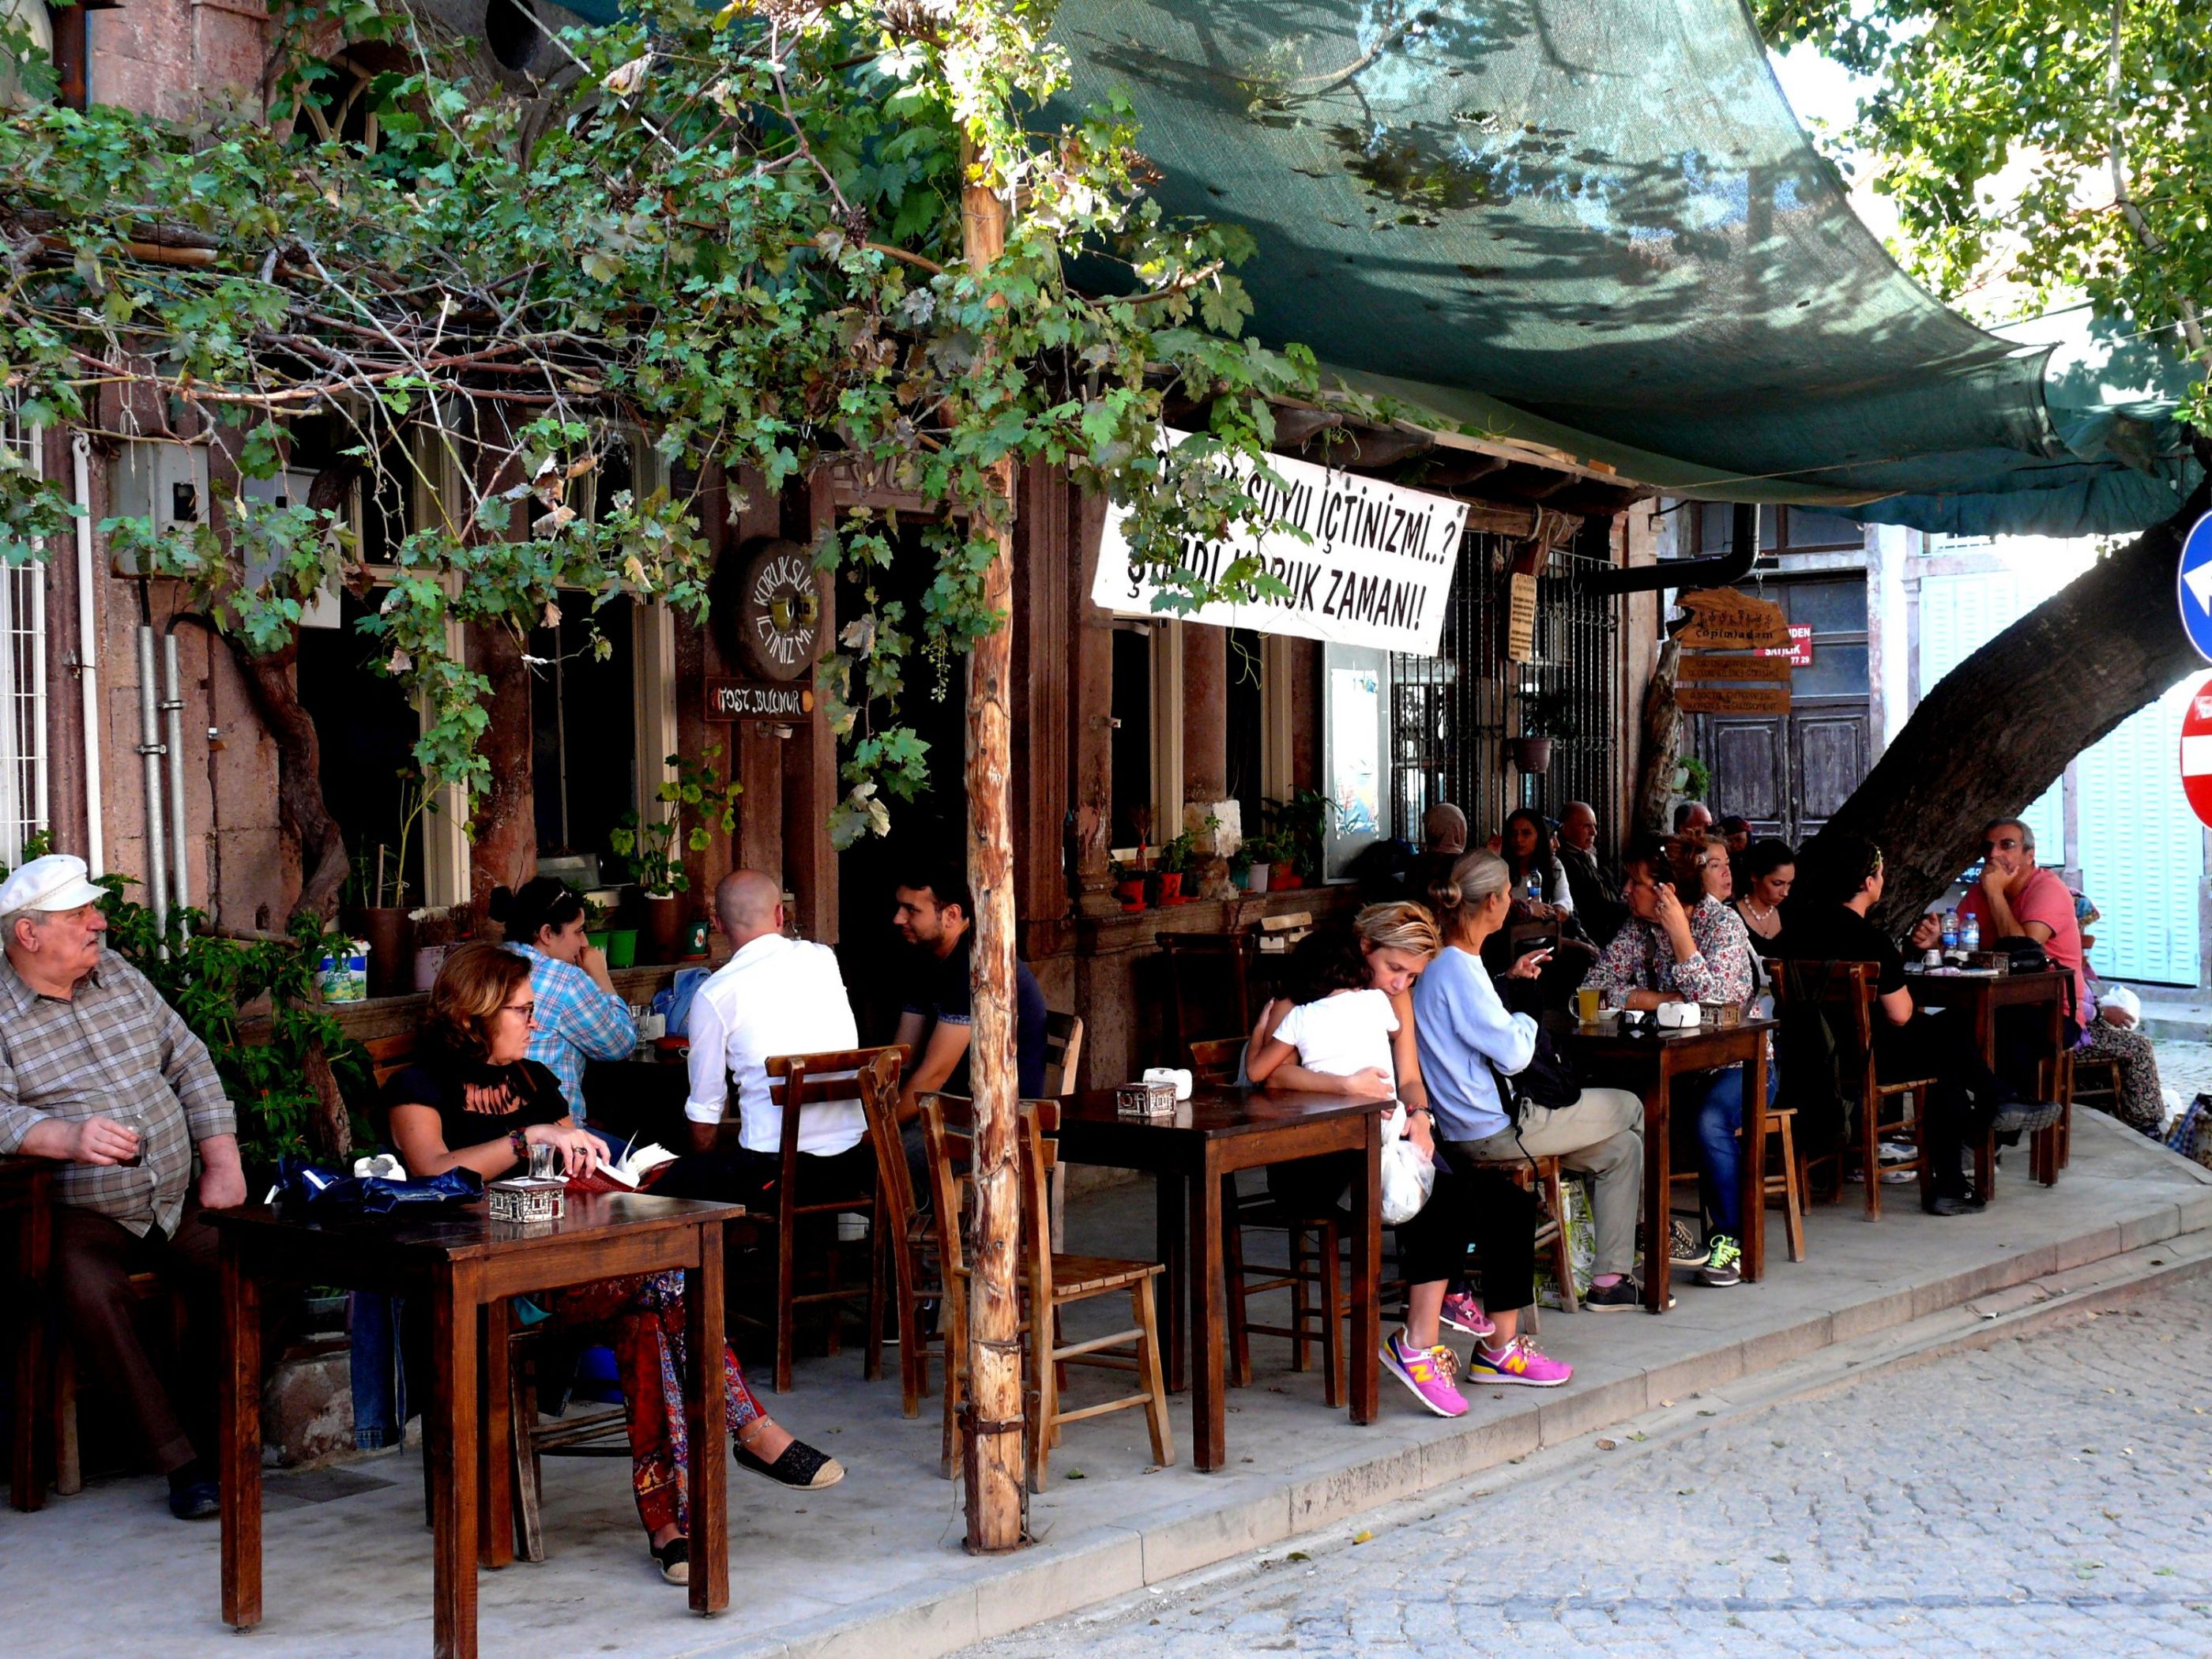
pixel 303 1189
pixel 2026 956
pixel 1548 1080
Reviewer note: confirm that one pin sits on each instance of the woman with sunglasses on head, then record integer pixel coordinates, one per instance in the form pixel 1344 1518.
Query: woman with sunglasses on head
pixel 473 1101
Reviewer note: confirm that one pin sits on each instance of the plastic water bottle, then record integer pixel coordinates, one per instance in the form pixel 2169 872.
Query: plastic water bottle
pixel 1535 888
pixel 1970 934
pixel 1950 932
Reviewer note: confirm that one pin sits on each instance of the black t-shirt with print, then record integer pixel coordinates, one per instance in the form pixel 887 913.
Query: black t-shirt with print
pixel 479 1104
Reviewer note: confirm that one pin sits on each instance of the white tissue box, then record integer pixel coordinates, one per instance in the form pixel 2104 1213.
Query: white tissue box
pixel 1180 1078
pixel 1678 1016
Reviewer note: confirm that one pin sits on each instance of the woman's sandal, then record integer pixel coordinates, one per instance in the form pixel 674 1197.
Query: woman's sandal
pixel 675 1559
pixel 800 1466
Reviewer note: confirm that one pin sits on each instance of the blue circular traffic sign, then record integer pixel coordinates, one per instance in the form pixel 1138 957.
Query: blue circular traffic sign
pixel 2192 585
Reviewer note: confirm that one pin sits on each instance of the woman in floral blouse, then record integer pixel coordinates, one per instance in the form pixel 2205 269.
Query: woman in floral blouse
pixel 1682 944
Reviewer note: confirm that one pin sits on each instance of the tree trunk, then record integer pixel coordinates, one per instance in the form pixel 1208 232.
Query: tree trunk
pixel 1661 745
pixel 504 846
pixel 300 805
pixel 1997 731
pixel 994 1464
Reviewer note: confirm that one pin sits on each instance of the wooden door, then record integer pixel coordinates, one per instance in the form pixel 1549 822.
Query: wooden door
pixel 1750 761
pixel 1828 760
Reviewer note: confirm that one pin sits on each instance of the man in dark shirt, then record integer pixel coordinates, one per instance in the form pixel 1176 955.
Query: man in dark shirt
pixel 933 912
pixel 1830 924
pixel 1596 894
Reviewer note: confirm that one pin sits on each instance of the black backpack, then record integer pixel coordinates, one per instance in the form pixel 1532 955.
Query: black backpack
pixel 1548 1078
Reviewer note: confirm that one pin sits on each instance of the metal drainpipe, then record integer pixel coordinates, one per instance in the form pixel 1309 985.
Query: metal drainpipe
pixel 151 748
pixel 172 705
pixel 88 655
pixel 1732 566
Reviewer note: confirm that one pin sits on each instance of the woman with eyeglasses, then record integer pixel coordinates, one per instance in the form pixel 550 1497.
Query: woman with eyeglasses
pixel 473 1101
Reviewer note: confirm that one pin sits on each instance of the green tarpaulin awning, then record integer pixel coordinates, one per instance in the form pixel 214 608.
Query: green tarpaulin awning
pixel 1595 225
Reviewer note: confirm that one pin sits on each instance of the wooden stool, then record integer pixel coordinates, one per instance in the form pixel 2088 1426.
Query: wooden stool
pixel 1787 1184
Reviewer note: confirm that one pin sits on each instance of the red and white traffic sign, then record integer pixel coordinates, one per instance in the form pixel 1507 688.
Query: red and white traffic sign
pixel 2196 751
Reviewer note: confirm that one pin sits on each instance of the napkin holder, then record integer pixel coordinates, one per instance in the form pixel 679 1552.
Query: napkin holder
pixel 526 1201
pixel 1147 1099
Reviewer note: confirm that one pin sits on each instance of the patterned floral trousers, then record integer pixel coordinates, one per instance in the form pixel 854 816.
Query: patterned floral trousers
pixel 2141 1104
pixel 643 1320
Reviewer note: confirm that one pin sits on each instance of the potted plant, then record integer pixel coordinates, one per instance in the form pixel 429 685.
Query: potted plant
pixel 380 916
pixel 1174 862
pixel 1259 854
pixel 1546 715
pixel 1695 780
pixel 597 933
pixel 1301 824
pixel 1128 884
pixel 697 803
pixel 434 929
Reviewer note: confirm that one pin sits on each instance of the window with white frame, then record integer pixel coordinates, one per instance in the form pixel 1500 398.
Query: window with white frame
pixel 22 674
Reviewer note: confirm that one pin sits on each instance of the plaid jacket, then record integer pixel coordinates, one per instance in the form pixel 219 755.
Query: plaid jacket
pixel 114 1049
pixel 576 1022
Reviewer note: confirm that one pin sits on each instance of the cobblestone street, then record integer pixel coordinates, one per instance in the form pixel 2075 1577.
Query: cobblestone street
pixel 2043 1496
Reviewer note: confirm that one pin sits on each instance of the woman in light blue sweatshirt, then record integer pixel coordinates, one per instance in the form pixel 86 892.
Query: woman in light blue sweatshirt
pixel 1466 1039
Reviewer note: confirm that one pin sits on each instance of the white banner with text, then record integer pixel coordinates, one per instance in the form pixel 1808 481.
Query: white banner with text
pixel 1377 572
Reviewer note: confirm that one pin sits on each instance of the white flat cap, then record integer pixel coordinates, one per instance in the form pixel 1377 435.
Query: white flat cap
pixel 56 882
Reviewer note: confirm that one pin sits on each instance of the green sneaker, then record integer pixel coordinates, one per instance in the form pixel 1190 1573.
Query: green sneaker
pixel 1721 1267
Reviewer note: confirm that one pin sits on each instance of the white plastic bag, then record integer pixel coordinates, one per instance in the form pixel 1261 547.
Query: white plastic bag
pixel 1407 1177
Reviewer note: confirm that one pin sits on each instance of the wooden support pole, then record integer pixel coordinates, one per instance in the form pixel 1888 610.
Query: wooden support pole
pixel 993 1426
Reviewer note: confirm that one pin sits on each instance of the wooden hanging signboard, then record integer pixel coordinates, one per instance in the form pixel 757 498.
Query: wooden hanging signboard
pixel 1734 699
pixel 1700 667
pixel 1520 617
pixel 1722 619
pixel 779 701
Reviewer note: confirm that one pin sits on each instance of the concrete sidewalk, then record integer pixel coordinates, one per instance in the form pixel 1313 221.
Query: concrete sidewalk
pixel 875 1565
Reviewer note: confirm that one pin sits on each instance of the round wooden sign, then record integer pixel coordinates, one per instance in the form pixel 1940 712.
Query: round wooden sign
pixel 773 615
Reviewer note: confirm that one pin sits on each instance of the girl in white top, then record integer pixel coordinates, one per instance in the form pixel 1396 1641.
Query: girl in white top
pixel 1351 1032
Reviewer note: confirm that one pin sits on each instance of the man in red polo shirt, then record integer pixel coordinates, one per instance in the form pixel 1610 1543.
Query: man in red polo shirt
pixel 2016 898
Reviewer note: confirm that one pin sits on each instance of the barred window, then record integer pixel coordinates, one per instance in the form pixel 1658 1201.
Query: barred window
pixel 22 676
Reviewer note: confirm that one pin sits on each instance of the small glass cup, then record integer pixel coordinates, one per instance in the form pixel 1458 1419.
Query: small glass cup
pixel 1586 1001
pixel 545 1160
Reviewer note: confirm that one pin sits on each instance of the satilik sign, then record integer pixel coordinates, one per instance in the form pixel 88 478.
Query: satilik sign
pixel 1377 570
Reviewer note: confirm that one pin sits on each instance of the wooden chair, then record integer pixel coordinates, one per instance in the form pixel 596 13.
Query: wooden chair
pixel 2101 1090
pixel 1217 1061
pixel 796 1082
pixel 907 1231
pixel 1847 993
pixel 1209 982
pixel 1050 1282
pixel 1063 1053
pixel 599 1431
pixel 1063 1060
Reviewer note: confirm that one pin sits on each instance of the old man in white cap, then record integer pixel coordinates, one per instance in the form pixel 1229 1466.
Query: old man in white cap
pixel 98 1071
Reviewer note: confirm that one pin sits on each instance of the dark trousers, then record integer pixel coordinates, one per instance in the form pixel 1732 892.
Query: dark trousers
pixel 1480 1208
pixel 167 1396
pixel 1956 1112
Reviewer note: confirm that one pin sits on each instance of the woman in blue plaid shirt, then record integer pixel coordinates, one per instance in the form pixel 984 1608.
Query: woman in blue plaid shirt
pixel 581 1015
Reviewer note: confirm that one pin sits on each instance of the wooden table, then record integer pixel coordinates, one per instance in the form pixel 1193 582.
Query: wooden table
pixel 1648 1063
pixel 1982 996
pixel 1213 1134
pixel 468 1266
pixel 26 1191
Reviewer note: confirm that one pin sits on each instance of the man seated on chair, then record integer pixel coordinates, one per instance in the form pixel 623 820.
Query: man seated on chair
pixel 933 912
pixel 97 1070
pixel 2017 899
pixel 775 996
pixel 1829 924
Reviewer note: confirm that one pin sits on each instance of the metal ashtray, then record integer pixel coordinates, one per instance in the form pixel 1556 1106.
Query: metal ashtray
pixel 1145 1100
pixel 527 1200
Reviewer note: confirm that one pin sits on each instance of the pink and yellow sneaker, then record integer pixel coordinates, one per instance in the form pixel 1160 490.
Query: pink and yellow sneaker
pixel 1518 1361
pixel 1463 1313
pixel 1427 1372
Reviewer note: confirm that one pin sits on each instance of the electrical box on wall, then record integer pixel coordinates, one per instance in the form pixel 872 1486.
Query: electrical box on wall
pixel 165 482
pixel 290 490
